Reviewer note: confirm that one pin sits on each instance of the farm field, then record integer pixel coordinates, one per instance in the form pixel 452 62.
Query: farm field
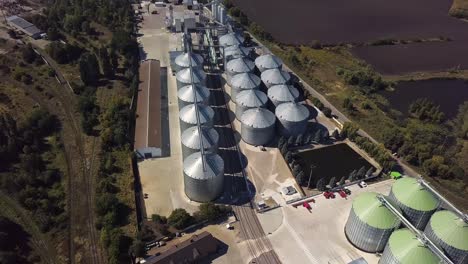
pixel 342 21
pixel 414 57
pixel 449 94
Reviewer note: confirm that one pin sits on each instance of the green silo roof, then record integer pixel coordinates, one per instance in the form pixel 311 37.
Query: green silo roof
pixel 370 210
pixel 410 193
pixel 409 250
pixel 450 228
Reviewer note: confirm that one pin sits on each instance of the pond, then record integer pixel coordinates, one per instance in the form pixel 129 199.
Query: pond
pixel 334 161
pixel 448 93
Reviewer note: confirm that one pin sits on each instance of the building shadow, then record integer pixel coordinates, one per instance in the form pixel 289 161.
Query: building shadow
pixel 237 191
pixel 165 133
pixel 234 161
pixel 312 112
pixel 225 141
pixel 220 251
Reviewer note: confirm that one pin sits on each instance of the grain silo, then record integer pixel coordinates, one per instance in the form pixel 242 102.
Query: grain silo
pixel 450 233
pixel 203 181
pixel 191 140
pixel 257 126
pixel 370 223
pixel 182 61
pixel 239 65
pixel 188 116
pixel 416 202
pixel 243 81
pixel 186 95
pixel 234 52
pixel 292 118
pixel 404 247
pixel 248 99
pixel 231 39
pixel 274 77
pixel 184 77
pixel 267 62
pixel 282 93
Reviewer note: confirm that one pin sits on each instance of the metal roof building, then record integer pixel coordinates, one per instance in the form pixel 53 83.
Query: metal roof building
pixel 404 247
pixel 449 232
pixel 370 223
pixel 24 26
pixel 268 61
pixel 257 126
pixel 274 77
pixel 247 99
pixel 243 81
pixel 282 94
pixel 203 183
pixel 415 201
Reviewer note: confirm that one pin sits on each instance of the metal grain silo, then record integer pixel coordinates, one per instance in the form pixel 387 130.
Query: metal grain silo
pixel 183 61
pixel 292 118
pixel 184 77
pixel 257 126
pixel 203 183
pixel 274 77
pixel 415 201
pixel 370 223
pixel 234 52
pixel 450 233
pixel 248 99
pixel 191 140
pixel 231 39
pixel 243 81
pixel 282 93
pixel 267 62
pixel 404 247
pixel 186 95
pixel 239 65
pixel 188 116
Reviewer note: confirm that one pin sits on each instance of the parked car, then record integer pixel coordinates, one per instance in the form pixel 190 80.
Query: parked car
pixel 342 193
pixel 347 191
pixel 307 205
pixel 362 184
pixel 329 195
pixel 145 196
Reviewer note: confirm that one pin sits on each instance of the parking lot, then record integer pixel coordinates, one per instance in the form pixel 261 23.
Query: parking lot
pixel 317 236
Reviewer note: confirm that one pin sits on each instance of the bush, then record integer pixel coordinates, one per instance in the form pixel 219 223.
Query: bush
pixel 158 219
pixel 210 211
pixel 327 112
pixel 180 219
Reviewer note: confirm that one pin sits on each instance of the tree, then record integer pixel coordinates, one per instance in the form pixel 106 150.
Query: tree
pixel 309 138
pixel 327 112
pixel 347 104
pixel 300 177
pixel 28 53
pixel 318 136
pixel 158 219
pixel 288 157
pixel 361 172
pixel 281 142
pixel 342 181
pixel 89 69
pixel 106 66
pixel 296 169
pixel 321 184
pixel 291 140
pixel 53 34
pixel 349 130
pixel 210 211
pixel 138 248
pixel 369 171
pixel 325 134
pixel 352 176
pixel 332 182
pixel 299 139
pixel 180 219
pixel 284 149
pixel 336 134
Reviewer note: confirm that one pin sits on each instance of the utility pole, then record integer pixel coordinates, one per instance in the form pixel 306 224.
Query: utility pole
pixel 310 175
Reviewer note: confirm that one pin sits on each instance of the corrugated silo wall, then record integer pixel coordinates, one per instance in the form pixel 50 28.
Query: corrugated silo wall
pixel 388 257
pixel 287 128
pixel 456 255
pixel 203 190
pixel 186 151
pixel 257 136
pixel 418 218
pixel 365 237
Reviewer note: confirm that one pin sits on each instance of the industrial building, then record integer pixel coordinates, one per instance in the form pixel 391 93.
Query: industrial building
pixel 293 118
pixel 279 94
pixel 258 126
pixel 24 26
pixel 194 114
pixel 191 140
pixel 191 94
pixel 415 201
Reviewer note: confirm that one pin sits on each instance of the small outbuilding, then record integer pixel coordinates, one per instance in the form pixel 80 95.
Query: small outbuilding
pixel 24 26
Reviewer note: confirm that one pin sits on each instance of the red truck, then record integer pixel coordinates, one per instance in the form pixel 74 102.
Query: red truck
pixel 329 195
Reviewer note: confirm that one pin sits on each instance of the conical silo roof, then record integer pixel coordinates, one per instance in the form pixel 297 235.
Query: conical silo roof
pixel 291 111
pixel 274 76
pixel 191 137
pixel 408 249
pixel 371 211
pixel 187 93
pixel 188 114
pixel 251 98
pixel 268 61
pixel 245 81
pixel 412 194
pixel 183 60
pixel 258 118
pixel 231 39
pixel 240 65
pixel 450 228
pixel 193 166
pixel 283 93
pixel 236 52
pixel 184 76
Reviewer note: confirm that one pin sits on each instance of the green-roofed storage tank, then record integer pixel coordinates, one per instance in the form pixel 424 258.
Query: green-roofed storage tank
pixel 370 223
pixel 416 202
pixel 449 232
pixel 404 247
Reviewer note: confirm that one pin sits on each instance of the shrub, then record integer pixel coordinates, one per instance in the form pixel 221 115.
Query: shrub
pixel 180 219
